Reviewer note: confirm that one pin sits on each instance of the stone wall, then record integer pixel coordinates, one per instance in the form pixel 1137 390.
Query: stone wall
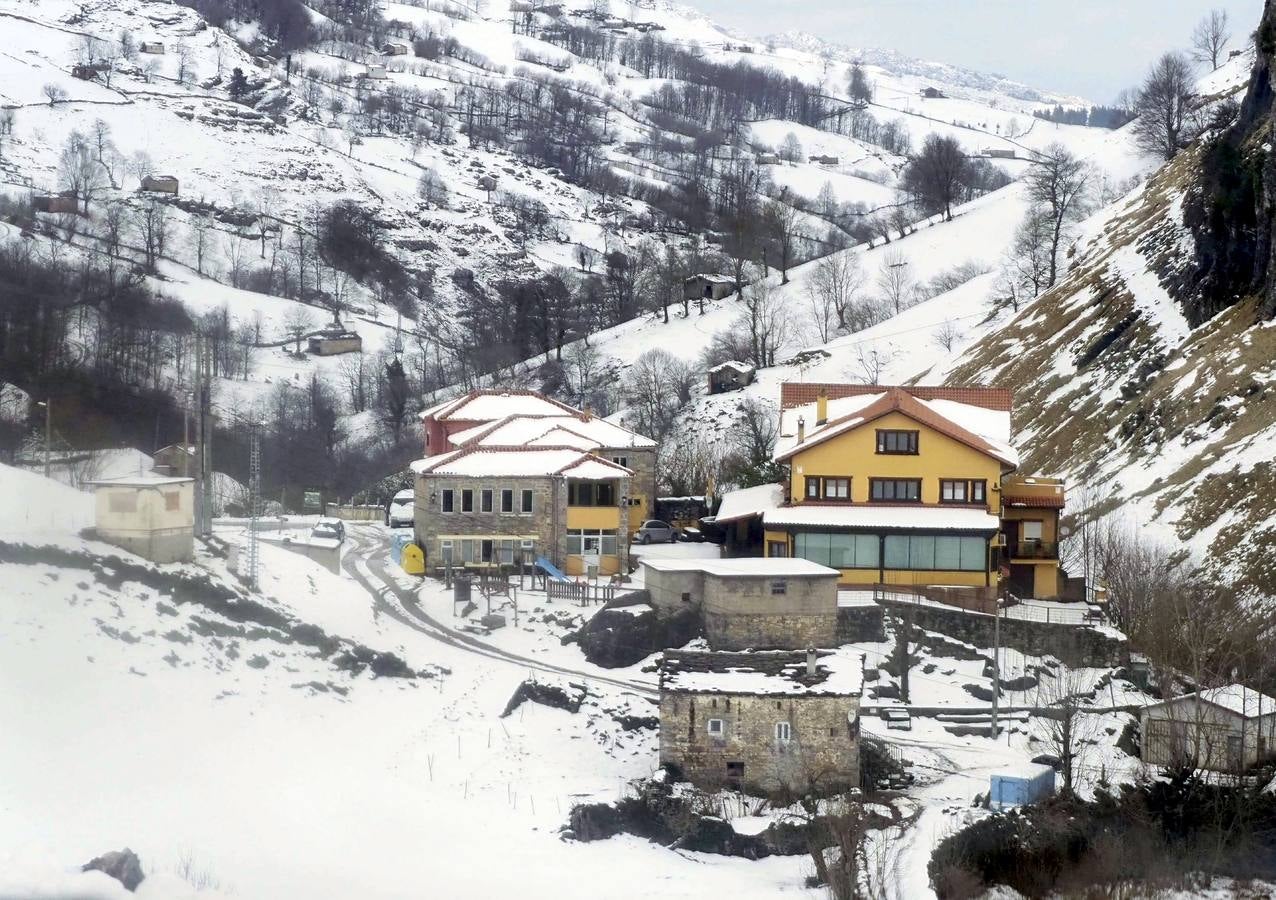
pixel 747 613
pixel 546 522
pixel 1074 645
pixel 769 631
pixel 823 751
pixel 857 624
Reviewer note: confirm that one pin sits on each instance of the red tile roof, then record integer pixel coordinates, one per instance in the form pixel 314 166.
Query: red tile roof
pixel 1033 501
pixel 901 400
pixel 798 394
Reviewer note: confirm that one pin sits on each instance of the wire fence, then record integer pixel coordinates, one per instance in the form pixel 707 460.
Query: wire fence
pixel 980 601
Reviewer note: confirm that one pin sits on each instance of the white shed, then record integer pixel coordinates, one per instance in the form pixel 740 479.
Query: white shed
pixel 1223 729
pixel 150 515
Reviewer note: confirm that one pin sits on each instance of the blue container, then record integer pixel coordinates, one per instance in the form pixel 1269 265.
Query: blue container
pixel 399 540
pixel 1021 787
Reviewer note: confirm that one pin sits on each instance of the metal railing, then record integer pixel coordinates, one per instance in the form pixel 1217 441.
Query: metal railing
pixel 1034 550
pixel 978 600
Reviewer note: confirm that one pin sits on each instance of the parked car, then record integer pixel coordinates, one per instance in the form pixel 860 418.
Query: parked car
pixel 402 510
pixel 329 530
pixel 655 531
pixel 897 718
pixel 693 535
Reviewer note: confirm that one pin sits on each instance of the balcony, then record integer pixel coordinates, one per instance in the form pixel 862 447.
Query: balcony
pixel 1034 550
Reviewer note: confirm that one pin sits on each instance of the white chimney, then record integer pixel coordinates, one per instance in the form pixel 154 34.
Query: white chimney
pixel 810 662
pixel 801 429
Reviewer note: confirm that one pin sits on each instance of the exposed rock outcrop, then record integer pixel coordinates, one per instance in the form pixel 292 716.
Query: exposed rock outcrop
pixel 122 865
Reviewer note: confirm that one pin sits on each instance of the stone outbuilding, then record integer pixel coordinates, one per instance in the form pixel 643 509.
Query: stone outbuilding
pixel 1223 729
pixel 731 375
pixel 56 203
pixel 176 459
pixel 334 342
pixel 150 515
pixel 708 287
pixel 751 603
pixel 764 722
pixel 162 184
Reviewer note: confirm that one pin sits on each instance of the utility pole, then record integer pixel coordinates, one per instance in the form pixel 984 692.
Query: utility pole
pixel 48 431
pixel 996 664
pixel 254 498
pixel 197 395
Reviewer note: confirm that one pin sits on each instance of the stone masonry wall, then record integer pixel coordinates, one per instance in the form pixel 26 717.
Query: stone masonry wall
pixel 746 613
pixel 1074 645
pixel 823 752
pixel 858 624
pixel 547 526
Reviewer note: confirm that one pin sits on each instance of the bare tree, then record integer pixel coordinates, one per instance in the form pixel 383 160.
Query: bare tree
pixel 78 171
pixel 127 44
pixel 831 290
pixel 1029 263
pixel 200 228
pixel 936 176
pixel 894 282
pixel 150 222
pixel 860 90
pixel 947 335
pixel 765 321
pixel 871 362
pixel 184 56
pixel 54 92
pixel 791 148
pixel 826 200
pixel 297 321
pixel 1064 725
pixel 1058 181
pixel 1210 38
pixel 781 222
pixel 1164 106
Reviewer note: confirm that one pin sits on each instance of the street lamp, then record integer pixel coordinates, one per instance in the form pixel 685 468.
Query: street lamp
pixel 48 430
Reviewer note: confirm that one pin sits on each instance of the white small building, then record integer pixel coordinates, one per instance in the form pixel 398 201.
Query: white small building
pixel 150 515
pixel 1223 729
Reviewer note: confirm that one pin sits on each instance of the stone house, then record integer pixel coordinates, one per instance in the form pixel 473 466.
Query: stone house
pixel 731 375
pixel 708 287
pixel 164 184
pixel 395 48
pixel 505 418
pixel 1223 729
pixel 334 342
pixel 150 515
pixel 156 47
pixel 823 160
pixel 763 722
pixel 773 604
pixel 494 505
pixel 56 203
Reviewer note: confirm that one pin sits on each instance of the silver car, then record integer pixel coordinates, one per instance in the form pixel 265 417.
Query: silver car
pixel 656 531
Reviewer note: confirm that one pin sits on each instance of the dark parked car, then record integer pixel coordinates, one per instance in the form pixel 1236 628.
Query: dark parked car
pixel 329 529
pixel 657 532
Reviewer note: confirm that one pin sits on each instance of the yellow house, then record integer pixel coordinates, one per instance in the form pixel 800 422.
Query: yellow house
pixel 903 486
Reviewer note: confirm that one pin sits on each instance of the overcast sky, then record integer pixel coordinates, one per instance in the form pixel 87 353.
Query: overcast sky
pixel 1093 48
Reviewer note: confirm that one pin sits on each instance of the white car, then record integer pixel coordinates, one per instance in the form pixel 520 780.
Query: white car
pixel 402 511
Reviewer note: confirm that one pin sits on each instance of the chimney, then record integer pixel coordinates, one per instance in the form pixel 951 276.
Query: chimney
pixel 822 407
pixel 810 662
pixel 801 429
pixel 589 411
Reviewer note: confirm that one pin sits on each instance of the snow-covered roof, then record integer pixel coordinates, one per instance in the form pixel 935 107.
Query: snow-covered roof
pixel 901 517
pixel 734 364
pixel 984 429
pixel 777 672
pixel 749 567
pixel 521 462
pixel 1237 698
pixel 711 278
pixel 589 432
pixel 146 480
pixel 748 502
pixel 490 405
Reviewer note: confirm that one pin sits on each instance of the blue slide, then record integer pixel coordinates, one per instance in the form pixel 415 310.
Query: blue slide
pixel 550 569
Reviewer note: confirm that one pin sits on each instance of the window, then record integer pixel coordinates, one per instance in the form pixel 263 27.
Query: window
pixel 621 461
pixel 840 551
pixel 927 552
pixel 812 487
pixel 449 500
pixel 837 488
pixel 779 587
pixel 590 541
pixel 897 490
pixel 589 493
pixel 1030 531
pixel 735 770
pixel 507 552
pixel 507 500
pixel 777 549
pixel 898 442
pixel 716 727
pixel 783 732
pixel 467 500
pixel 962 491
pixel 527 501
pixel 122 501
pixel 485 500
pixel 445 552
pixel 686 596
pixel 485 548
pixel 173 500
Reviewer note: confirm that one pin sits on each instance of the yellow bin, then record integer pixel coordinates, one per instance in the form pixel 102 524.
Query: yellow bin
pixel 413 560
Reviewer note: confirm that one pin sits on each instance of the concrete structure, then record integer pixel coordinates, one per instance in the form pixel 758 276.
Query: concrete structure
pixel 1026 784
pixel 760 604
pixel 334 342
pixel 494 505
pixel 903 486
pixel 1224 729
pixel 375 72
pixel 164 184
pixel 151 47
pixel 730 376
pixel 770 723
pixel 708 287
pixel 150 515
pixel 532 422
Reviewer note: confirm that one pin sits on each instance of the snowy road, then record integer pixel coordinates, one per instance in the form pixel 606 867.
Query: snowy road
pixel 366 563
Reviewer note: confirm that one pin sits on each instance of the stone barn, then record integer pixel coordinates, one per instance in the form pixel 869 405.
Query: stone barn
pixel 708 287
pixel 334 342
pixel 163 184
pixel 730 376
pixel 764 722
pixel 750 603
pixel 150 515
pixel 56 203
